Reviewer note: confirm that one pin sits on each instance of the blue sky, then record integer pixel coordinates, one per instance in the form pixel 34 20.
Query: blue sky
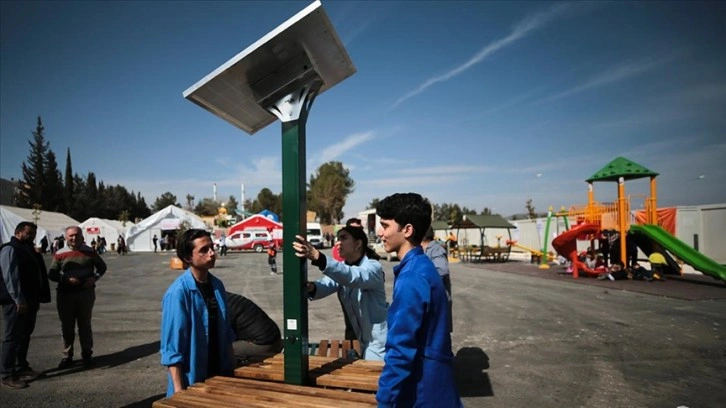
pixel 485 104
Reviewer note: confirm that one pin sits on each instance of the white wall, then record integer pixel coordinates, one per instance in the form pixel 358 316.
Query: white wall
pixel 712 240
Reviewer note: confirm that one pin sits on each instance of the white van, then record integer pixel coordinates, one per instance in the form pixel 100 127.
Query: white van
pixel 314 235
pixel 249 239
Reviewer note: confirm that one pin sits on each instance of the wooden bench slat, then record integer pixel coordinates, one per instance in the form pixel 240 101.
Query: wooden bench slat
pixel 243 384
pixel 257 397
pixel 323 348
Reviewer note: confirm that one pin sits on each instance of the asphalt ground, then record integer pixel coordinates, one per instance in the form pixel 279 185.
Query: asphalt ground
pixel 523 337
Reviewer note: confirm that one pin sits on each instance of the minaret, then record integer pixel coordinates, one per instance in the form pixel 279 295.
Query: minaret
pixel 215 192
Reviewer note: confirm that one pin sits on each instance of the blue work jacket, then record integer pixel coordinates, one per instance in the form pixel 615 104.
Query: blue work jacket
pixel 185 329
pixel 418 368
pixel 363 295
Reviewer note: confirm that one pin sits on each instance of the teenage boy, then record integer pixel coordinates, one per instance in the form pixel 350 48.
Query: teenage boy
pixel 196 335
pixel 418 363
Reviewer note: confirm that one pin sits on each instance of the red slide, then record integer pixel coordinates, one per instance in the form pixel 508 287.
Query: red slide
pixel 566 245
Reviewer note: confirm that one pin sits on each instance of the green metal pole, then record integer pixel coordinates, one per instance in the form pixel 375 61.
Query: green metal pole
pixel 295 308
pixel 543 261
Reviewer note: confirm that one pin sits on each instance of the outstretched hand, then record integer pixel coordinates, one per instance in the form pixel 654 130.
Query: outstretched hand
pixel 304 249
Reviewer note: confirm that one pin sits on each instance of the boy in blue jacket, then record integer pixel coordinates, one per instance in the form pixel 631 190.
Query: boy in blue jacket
pixel 418 362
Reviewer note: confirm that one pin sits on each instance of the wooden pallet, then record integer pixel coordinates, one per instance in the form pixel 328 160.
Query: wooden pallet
pixel 334 348
pixel 359 375
pixel 238 392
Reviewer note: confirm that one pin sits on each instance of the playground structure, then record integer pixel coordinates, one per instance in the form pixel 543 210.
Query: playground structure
pixel 594 218
pixel 485 252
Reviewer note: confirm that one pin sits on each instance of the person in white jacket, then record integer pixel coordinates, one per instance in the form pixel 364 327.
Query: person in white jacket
pixel 358 281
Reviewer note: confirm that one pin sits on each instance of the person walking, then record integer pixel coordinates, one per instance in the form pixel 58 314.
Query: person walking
pixel 271 258
pixel 76 268
pixel 155 240
pixel 223 245
pixel 196 334
pixel 23 287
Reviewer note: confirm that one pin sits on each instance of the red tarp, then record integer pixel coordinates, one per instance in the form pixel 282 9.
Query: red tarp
pixel 666 218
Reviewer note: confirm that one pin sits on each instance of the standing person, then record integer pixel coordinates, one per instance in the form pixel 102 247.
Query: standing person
pixel 351 222
pixel 44 245
pixel 359 283
pixel 256 335
pixel 418 365
pixel 196 335
pixel 101 245
pixel 223 245
pixel 24 286
pixel 437 254
pixel 155 240
pixel 271 255
pixel 76 268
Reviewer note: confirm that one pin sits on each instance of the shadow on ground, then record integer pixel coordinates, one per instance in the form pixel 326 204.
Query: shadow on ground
pixel 110 360
pixel 145 403
pixel 472 380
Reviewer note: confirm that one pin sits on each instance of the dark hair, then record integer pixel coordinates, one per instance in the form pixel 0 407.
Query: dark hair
pixel 429 235
pixel 185 245
pixel 358 234
pixel 352 221
pixel 407 208
pixel 23 225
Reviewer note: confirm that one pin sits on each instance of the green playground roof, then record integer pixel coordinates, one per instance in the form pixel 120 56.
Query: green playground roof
pixel 482 222
pixel 621 167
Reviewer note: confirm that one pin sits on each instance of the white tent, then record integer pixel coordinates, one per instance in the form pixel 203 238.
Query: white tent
pixel 54 223
pixel 93 228
pixel 10 220
pixel 139 237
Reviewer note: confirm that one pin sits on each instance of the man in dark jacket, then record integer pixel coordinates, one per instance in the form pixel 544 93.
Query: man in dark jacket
pixel 24 286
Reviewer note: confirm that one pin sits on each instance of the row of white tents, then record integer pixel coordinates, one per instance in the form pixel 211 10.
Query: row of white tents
pixel 139 237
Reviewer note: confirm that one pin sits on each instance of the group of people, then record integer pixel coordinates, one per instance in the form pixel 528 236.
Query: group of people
pixel 412 335
pixel 597 261
pixel 100 245
pixel 165 243
pixel 76 267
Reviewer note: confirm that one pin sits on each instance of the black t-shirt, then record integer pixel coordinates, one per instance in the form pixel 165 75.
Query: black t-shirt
pixel 213 312
pixel 250 323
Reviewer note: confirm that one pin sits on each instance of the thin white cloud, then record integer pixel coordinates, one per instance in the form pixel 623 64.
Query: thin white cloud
pixel 615 74
pixel 520 31
pixel 447 170
pixel 347 144
pixel 407 182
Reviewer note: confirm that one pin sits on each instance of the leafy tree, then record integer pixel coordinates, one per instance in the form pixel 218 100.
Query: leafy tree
pixel 190 203
pixel 450 212
pixel 31 186
pixel 206 206
pixel 531 213
pixel 486 211
pixel 164 201
pixel 232 205
pixel 141 209
pixel 328 189
pixel 374 202
pixel 68 185
pixel 124 217
pixel 53 185
pixel 265 200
